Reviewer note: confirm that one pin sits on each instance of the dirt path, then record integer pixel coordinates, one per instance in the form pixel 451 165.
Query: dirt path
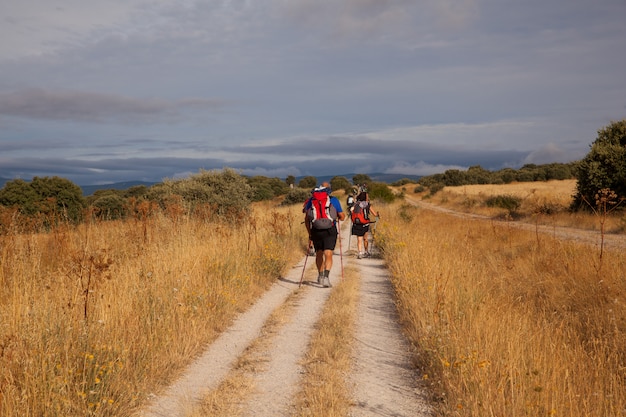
pixel 384 383
pixel 591 237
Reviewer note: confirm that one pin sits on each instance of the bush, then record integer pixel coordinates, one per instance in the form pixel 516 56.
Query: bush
pixel 507 202
pixel 435 188
pixel 52 197
pixel 380 191
pixel 296 196
pixel 110 207
pixel 226 191
pixel 308 182
pixel 603 167
pixel 340 183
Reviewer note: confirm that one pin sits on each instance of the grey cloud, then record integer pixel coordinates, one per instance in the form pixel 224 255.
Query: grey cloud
pixel 38 103
pixel 387 151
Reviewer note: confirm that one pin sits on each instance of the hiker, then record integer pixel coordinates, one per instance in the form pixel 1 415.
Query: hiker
pixel 350 200
pixel 360 216
pixel 322 212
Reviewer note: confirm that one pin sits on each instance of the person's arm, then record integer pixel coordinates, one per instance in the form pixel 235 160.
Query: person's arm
pixel 306 222
pixel 340 213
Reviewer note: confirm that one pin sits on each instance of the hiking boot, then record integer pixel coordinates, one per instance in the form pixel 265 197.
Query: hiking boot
pixel 359 255
pixel 327 282
pixel 367 254
pixel 320 279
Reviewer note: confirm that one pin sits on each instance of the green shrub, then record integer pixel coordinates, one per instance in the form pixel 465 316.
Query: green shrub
pixel 110 207
pixel 380 191
pixel 604 167
pixel 436 187
pixel 296 196
pixel 507 202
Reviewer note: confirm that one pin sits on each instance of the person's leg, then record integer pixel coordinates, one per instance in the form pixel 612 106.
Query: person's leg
pixel 319 262
pixel 329 247
pixel 366 243
pixel 328 259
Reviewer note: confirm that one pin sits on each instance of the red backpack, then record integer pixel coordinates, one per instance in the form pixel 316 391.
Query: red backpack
pixel 322 214
pixel 360 213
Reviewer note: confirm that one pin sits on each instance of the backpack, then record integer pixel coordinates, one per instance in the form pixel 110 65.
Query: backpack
pixel 350 201
pixel 322 214
pixel 360 213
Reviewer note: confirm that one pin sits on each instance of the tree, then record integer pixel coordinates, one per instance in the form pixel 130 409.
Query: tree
pixel 380 191
pixel 307 182
pixel 361 179
pixel 18 193
pixel 50 196
pixel 68 197
pixel 340 183
pixel 110 207
pixel 604 166
pixel 290 180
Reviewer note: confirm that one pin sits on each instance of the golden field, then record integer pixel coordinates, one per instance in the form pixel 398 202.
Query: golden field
pixel 96 318
pixel 505 321
pixel 541 202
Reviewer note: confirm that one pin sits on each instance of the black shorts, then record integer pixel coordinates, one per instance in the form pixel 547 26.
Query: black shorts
pixel 324 239
pixel 360 229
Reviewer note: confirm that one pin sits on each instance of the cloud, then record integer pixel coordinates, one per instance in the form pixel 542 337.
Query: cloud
pixel 549 153
pixel 420 168
pixel 79 106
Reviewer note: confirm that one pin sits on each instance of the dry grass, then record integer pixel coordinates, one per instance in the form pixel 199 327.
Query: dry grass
pixel 545 202
pixel 324 391
pixel 508 325
pixel 97 317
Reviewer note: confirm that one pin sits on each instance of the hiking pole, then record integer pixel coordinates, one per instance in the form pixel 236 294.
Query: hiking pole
pixel 308 249
pixel 374 231
pixel 340 248
pixel 350 237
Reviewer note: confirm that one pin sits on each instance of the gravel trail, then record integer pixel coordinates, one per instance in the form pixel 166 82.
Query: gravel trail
pixel 383 381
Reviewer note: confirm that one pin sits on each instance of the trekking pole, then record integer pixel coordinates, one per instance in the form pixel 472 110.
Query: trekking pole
pixel 374 231
pixel 349 239
pixel 308 249
pixel 340 248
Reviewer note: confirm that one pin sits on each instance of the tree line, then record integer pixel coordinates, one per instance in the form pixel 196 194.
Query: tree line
pixel 226 194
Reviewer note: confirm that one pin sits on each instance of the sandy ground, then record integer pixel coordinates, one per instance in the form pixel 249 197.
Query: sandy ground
pixel 383 380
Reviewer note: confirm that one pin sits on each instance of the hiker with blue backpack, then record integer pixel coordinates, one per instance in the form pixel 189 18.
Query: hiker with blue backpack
pixel 322 213
pixel 360 216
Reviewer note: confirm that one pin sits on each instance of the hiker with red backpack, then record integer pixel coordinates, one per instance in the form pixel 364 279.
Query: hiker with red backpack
pixel 322 211
pixel 360 216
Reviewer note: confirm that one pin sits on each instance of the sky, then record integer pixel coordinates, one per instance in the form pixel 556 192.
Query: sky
pixel 103 91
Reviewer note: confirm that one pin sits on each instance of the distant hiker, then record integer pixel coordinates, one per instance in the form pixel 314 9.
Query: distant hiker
pixel 321 214
pixel 363 189
pixel 360 215
pixel 350 200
